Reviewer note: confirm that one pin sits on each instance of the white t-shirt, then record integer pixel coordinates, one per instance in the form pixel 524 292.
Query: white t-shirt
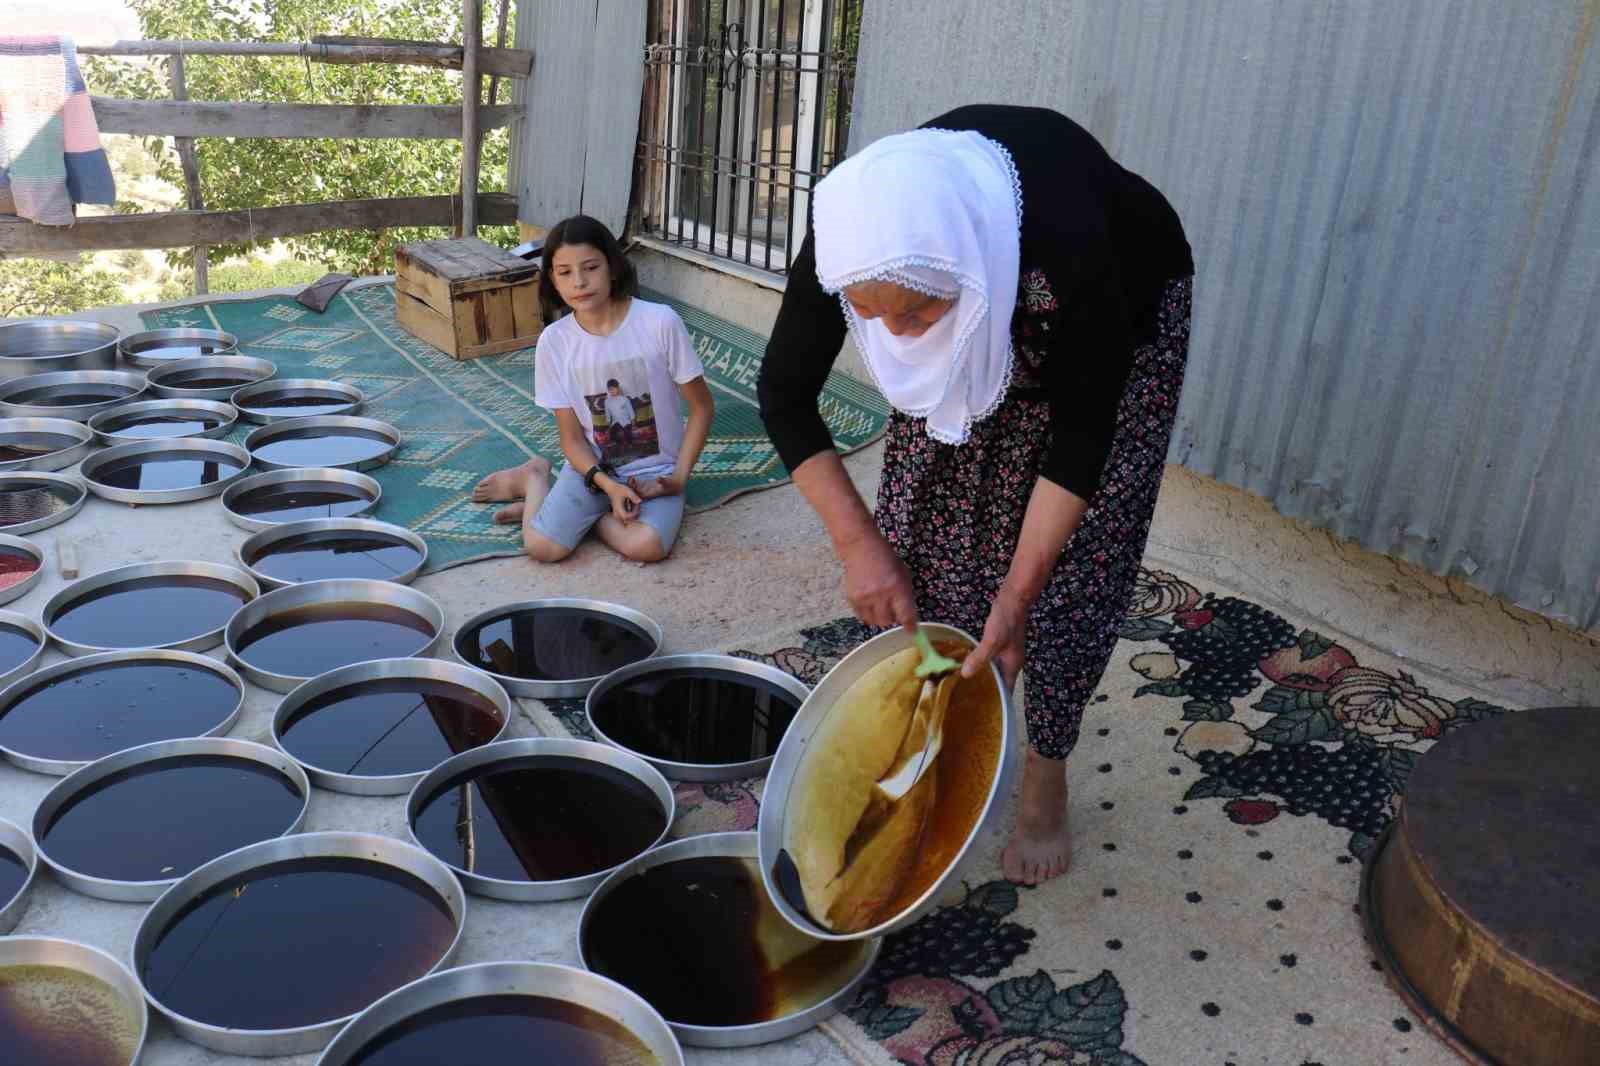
pixel 623 387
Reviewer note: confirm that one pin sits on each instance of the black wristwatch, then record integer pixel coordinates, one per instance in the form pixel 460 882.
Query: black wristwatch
pixel 598 468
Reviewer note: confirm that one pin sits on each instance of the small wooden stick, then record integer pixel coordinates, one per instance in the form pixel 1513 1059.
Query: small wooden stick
pixel 67 557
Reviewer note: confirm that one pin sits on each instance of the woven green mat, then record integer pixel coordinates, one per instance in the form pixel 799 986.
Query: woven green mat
pixel 461 420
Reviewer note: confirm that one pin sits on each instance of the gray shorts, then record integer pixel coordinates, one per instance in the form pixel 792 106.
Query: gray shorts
pixel 571 510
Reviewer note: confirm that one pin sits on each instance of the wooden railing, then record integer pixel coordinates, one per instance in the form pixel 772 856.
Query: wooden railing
pixel 185 120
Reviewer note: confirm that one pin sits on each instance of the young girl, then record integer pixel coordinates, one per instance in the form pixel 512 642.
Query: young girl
pixel 612 369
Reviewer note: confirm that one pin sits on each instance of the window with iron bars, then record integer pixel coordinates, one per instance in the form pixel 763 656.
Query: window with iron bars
pixel 747 105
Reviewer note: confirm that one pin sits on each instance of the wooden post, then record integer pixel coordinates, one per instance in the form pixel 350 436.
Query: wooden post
pixel 499 42
pixel 471 42
pixel 191 177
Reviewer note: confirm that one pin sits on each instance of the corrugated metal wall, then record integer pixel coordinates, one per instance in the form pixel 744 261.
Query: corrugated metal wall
pixel 1395 210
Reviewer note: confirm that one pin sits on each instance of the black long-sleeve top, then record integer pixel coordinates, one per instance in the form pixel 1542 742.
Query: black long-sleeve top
pixel 1105 239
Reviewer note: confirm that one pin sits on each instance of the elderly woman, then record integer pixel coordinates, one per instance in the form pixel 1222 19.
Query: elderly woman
pixel 1022 301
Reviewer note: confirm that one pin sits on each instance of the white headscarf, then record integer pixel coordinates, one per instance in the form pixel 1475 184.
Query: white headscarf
pixel 938 212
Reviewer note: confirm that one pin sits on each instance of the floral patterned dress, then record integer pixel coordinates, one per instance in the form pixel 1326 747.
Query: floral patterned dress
pixel 954 513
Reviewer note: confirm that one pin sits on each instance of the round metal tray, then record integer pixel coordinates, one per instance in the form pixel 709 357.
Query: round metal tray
pixel 252 398
pixel 24 430
pixel 54 607
pixel 23 587
pixel 193 449
pixel 168 379
pixel 510 752
pixel 90 961
pixel 359 675
pixel 17 499
pixel 150 348
pixel 15 840
pixel 111 427
pixel 567 688
pixel 146 756
pixel 311 478
pixel 722 664
pixel 26 686
pixel 795 745
pixel 126 386
pixel 307 1038
pixel 46 347
pixel 323 425
pixel 319 592
pixel 34 630
pixel 540 979
pixel 254 547
pixel 739 846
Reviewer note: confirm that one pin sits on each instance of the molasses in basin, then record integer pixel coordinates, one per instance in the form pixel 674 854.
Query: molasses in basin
pixel 858 834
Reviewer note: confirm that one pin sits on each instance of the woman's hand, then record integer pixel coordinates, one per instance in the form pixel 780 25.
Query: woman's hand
pixel 624 501
pixel 878 584
pixel 1004 638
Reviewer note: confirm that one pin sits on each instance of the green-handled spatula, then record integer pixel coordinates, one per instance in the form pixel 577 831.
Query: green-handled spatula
pixel 933 664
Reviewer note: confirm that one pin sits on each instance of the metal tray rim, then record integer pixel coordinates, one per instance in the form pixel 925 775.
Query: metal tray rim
pixel 99 355
pixel 162 445
pixel 741 845
pixel 569 688
pixel 76 412
pixel 133 572
pixel 260 479
pixel 23 587
pixel 16 840
pixel 249 363
pixel 59 459
pixel 111 438
pixel 62 767
pixel 732 664
pixel 64 790
pixel 436 989
pixel 69 481
pixel 528 747
pixel 85 959
pixel 314 1036
pixel 792 749
pixel 144 340
pixel 282 530
pixel 266 433
pixel 332 590
pixel 246 393
pixel 33 629
pixel 377 670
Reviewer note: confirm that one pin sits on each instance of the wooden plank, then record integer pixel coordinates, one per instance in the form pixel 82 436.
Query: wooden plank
pixel 505 62
pixel 421 321
pixel 529 319
pixel 496 348
pixel 501 321
pixel 471 46
pixel 181 229
pixel 191 179
pixel 552 141
pixel 207 118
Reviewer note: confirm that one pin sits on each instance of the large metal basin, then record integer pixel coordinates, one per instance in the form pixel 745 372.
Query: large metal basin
pixel 796 746
pixel 44 347
pixel 90 961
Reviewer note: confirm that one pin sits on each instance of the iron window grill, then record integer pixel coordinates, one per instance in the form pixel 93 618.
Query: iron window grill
pixel 747 105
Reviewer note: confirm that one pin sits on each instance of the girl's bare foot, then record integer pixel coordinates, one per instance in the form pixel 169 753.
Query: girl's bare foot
pixel 511 514
pixel 507 484
pixel 1040 847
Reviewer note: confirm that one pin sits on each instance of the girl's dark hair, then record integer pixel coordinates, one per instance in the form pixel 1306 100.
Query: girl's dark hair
pixel 581 229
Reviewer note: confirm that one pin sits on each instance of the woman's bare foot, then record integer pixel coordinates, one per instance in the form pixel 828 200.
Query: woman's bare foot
pixel 1040 847
pixel 507 484
pixel 511 514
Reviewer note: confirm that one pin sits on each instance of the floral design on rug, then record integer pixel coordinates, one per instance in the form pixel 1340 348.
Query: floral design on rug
pixel 1325 737
pixel 918 1007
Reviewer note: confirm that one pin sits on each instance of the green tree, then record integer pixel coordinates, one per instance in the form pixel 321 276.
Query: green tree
pixel 37 287
pixel 237 173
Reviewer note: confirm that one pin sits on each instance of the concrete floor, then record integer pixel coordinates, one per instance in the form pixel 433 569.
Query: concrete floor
pixel 760 565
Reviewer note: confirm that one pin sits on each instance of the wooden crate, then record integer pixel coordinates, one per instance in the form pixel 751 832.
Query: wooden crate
pixel 466 297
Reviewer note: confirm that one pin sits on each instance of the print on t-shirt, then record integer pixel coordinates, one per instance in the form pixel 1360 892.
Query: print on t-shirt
pixel 624 420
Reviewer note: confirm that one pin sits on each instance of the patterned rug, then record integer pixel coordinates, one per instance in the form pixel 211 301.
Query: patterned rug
pixel 462 420
pixel 1235 768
